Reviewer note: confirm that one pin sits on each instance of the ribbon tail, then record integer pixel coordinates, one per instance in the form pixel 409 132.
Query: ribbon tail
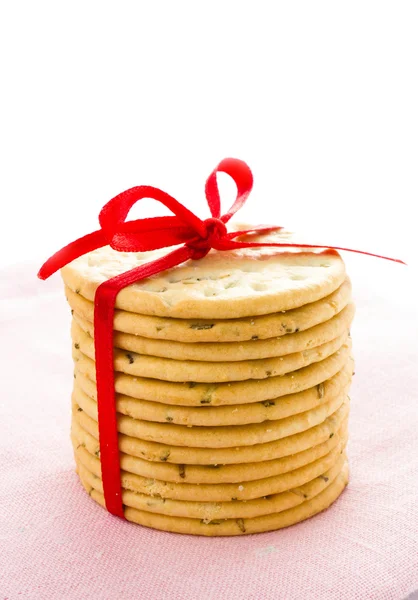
pixel 233 245
pixel 104 308
pixel 87 243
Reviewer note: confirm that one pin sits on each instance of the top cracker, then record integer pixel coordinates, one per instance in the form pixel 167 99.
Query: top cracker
pixel 223 285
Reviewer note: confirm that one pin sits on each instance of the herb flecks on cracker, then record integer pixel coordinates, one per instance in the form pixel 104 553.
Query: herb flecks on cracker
pixel 240 523
pixel 207 398
pixel 209 522
pixel 201 326
pixel 165 455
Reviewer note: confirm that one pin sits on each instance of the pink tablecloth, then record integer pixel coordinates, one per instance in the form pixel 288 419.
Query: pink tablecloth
pixel 56 543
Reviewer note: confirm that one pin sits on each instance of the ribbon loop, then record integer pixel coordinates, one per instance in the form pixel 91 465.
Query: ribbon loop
pixel 240 172
pixel 116 210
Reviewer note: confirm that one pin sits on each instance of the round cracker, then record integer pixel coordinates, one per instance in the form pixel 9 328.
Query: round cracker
pixel 222 285
pixel 239 392
pixel 228 527
pixel 212 511
pixel 157 452
pixel 214 437
pixel 212 474
pixel 239 414
pixel 167 369
pixel 220 330
pixel 222 492
pixel 232 351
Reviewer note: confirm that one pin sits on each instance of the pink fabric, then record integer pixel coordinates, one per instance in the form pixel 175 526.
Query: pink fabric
pixel 56 543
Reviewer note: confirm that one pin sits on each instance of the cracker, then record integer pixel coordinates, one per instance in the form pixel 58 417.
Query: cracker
pixel 167 369
pixel 212 474
pixel 222 492
pixel 222 285
pixel 157 452
pixel 221 330
pixel 214 437
pixel 239 414
pixel 240 392
pixel 232 351
pixel 210 511
pixel 272 522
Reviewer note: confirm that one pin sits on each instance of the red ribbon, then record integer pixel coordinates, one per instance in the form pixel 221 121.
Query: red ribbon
pixel 198 238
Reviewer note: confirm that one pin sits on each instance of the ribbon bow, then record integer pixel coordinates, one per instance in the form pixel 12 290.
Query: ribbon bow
pixel 198 238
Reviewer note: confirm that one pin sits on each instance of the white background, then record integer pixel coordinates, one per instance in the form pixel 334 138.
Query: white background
pixel 320 98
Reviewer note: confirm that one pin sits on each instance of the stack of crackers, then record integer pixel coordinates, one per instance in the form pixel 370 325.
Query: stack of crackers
pixel 231 375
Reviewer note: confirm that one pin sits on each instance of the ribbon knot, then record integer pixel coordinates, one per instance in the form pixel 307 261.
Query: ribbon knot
pixel 215 232
pixel 215 229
